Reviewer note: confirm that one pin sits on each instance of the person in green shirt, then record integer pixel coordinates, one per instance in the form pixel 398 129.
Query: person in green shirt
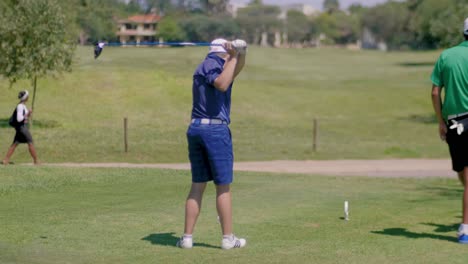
pixel 451 72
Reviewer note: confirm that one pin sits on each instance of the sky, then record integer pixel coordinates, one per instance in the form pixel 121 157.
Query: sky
pixel 315 3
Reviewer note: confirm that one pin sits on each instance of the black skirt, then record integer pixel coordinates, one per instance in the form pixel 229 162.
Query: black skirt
pixel 22 135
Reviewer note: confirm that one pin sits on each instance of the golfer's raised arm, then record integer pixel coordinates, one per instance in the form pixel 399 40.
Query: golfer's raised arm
pixel 240 64
pixel 241 47
pixel 225 79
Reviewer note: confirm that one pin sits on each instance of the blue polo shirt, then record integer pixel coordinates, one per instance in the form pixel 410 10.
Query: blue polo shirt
pixel 209 102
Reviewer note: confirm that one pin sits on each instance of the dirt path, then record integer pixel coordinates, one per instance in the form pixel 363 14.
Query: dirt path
pixel 373 168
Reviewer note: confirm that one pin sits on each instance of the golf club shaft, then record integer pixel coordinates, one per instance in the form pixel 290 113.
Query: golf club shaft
pixel 206 44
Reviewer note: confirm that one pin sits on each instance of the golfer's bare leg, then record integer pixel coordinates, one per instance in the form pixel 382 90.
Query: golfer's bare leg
pixel 10 152
pixel 464 179
pixel 461 177
pixel 224 207
pixel 193 206
pixel 33 153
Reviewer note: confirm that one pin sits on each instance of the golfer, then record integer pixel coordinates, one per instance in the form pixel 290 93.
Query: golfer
pixel 209 137
pixel 451 72
pixel 22 131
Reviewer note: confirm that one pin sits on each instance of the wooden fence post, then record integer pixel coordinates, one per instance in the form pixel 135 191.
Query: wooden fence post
pixel 126 134
pixel 315 139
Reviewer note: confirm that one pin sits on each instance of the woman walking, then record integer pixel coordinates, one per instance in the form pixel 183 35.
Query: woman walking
pixel 22 129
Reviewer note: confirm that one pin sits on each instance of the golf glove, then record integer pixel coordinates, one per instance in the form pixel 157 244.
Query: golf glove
pixel 459 125
pixel 240 45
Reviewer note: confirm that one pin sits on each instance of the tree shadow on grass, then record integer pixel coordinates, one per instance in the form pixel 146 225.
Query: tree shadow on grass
pixel 4 122
pixel 421 118
pixel 403 232
pixel 434 193
pixel 36 123
pixel 169 239
pixel 416 64
pixel 454 192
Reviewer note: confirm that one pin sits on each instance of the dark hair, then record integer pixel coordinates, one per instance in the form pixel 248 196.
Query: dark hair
pixel 466 36
pixel 21 94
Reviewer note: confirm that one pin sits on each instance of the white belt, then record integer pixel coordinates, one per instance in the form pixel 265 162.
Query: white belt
pixel 457 115
pixel 208 121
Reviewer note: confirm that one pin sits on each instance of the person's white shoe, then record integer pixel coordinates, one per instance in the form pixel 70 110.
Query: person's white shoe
pixel 233 242
pixel 185 242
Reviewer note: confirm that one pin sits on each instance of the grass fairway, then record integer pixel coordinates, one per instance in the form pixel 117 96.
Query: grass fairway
pixel 68 215
pixel 369 105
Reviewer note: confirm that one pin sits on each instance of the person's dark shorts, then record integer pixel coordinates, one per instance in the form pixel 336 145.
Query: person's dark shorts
pixel 210 153
pixel 22 135
pixel 458 146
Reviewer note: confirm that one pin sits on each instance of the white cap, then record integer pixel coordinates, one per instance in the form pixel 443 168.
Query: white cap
pixel 218 47
pixel 23 95
pixel 465 28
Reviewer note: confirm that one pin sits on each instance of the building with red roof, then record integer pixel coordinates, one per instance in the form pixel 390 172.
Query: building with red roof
pixel 138 29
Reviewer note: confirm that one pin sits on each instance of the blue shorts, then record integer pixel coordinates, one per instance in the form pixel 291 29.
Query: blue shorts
pixel 210 153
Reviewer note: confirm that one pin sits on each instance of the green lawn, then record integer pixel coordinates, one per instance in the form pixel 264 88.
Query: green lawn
pixel 68 215
pixel 369 105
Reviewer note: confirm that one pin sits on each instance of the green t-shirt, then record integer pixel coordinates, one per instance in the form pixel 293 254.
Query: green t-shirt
pixel 451 72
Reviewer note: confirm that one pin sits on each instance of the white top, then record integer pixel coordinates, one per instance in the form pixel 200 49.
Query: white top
pixel 19 112
pixel 465 27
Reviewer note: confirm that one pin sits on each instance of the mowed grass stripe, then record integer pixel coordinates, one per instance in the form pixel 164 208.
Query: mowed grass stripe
pixel 85 215
pixel 369 105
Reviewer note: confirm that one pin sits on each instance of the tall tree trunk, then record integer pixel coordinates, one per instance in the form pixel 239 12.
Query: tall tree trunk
pixel 264 41
pixel 257 37
pixel 277 39
pixel 83 38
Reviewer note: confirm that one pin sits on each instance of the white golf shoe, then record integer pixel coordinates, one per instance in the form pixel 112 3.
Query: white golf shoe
pixel 185 242
pixel 233 242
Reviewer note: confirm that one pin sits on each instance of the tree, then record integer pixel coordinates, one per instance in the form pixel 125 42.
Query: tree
pixel 348 27
pixel 338 27
pixel 205 29
pixel 258 20
pixel 356 9
pixel 35 40
pixel 437 23
pixel 96 18
pixel 423 13
pixel 447 25
pixel 331 6
pixel 162 6
pixel 214 6
pixel 389 23
pixel 187 5
pixel 298 26
pixel 328 26
pixel 256 2
pixel 169 30
pixel 133 6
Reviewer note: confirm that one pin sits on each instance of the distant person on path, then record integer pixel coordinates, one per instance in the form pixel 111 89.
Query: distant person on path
pixel 209 137
pixel 98 49
pixel 19 121
pixel 451 72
